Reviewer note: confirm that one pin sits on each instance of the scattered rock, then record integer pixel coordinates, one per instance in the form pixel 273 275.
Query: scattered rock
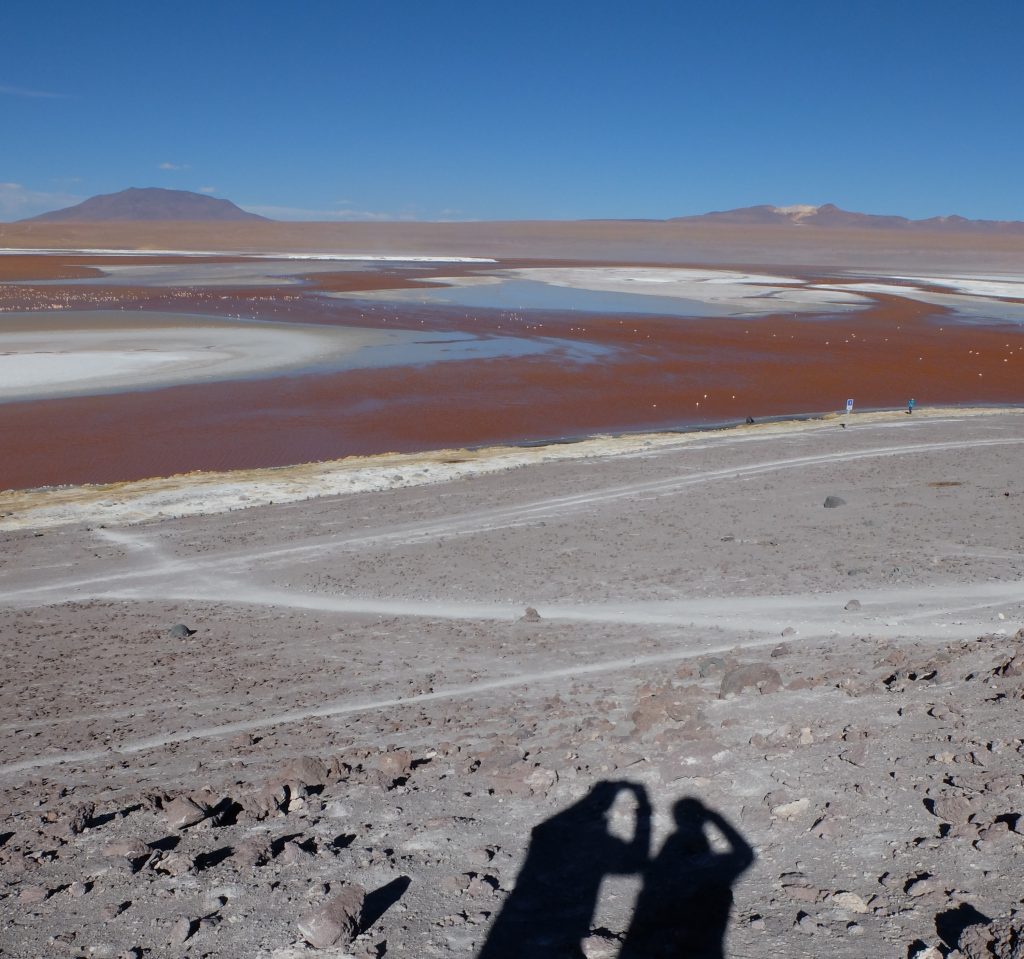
pixel 849 901
pixel 921 886
pixel 182 929
pixel 952 809
pixel 112 910
pixel 271 799
pixel 852 605
pixel 757 676
pixel 81 816
pixel 1000 939
pixel 180 631
pixel 336 921
pixel 294 853
pixel 250 854
pixel 393 764
pixel 172 863
pixel 128 855
pixel 832 502
pixel 307 770
pixel 183 812
pixel 791 810
pixel 530 616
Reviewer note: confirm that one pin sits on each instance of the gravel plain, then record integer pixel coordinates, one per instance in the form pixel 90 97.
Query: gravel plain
pixel 662 702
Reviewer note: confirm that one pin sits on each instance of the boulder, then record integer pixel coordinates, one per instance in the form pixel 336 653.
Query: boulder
pixel 183 812
pixel 337 921
pixel 307 770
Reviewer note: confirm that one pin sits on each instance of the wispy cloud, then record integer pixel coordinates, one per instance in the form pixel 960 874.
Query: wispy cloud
pixel 18 201
pixel 167 165
pixel 13 91
pixel 207 189
pixel 304 213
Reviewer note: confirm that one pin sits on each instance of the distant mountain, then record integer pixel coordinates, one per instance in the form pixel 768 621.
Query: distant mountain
pixel 149 203
pixel 830 216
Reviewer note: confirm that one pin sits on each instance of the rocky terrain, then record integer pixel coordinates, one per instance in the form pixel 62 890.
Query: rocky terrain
pixel 572 709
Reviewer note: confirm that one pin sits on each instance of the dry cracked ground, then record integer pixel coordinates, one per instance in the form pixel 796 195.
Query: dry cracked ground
pixel 662 704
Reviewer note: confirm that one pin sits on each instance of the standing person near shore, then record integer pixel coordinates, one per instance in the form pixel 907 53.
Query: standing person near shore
pixel 911 405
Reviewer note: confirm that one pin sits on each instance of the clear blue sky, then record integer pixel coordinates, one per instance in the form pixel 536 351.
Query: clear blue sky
pixel 524 109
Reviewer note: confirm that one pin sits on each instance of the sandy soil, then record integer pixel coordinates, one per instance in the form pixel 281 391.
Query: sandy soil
pixel 593 240
pixel 366 700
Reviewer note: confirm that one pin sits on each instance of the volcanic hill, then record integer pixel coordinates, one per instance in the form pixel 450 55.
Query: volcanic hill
pixel 147 204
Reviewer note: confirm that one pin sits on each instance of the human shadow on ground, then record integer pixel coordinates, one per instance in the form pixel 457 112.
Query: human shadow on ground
pixel 682 909
pixel 550 910
pixel 684 905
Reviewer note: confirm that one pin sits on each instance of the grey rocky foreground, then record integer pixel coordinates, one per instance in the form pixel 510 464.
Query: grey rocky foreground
pixel 365 704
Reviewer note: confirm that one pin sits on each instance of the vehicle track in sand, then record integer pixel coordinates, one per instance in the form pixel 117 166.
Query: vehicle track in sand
pixel 347 707
pixel 748 616
pixel 231 564
pixel 245 577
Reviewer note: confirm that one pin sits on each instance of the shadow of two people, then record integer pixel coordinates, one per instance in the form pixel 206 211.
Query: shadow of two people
pixel 684 903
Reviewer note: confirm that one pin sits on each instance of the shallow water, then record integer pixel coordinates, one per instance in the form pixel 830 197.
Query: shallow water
pixel 539 362
pixel 418 349
pixel 515 295
pixel 250 273
pixel 965 307
pixel 63 352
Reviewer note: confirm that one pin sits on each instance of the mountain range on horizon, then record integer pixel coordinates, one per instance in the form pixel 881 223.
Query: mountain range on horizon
pixel 156 204
pixel 830 216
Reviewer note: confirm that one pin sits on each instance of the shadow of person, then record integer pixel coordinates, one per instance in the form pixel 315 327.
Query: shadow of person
pixel 550 910
pixel 683 907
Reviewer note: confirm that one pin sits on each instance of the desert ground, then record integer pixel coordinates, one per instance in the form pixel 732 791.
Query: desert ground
pixel 752 692
pixel 583 240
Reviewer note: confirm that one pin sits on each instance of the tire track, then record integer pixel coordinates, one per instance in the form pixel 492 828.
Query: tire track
pixel 467 524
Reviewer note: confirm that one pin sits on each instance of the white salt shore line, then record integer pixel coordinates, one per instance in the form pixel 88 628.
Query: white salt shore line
pixel 51 363
pixel 745 292
pixel 195 494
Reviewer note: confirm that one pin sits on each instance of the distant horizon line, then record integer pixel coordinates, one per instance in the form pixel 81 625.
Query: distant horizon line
pixel 796 214
pixel 161 204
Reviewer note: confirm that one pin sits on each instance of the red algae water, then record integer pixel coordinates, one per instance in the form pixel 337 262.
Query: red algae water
pixel 586 372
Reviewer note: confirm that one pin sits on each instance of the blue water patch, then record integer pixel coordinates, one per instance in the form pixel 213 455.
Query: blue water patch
pixel 988 312
pixel 203 275
pixel 416 349
pixel 514 295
